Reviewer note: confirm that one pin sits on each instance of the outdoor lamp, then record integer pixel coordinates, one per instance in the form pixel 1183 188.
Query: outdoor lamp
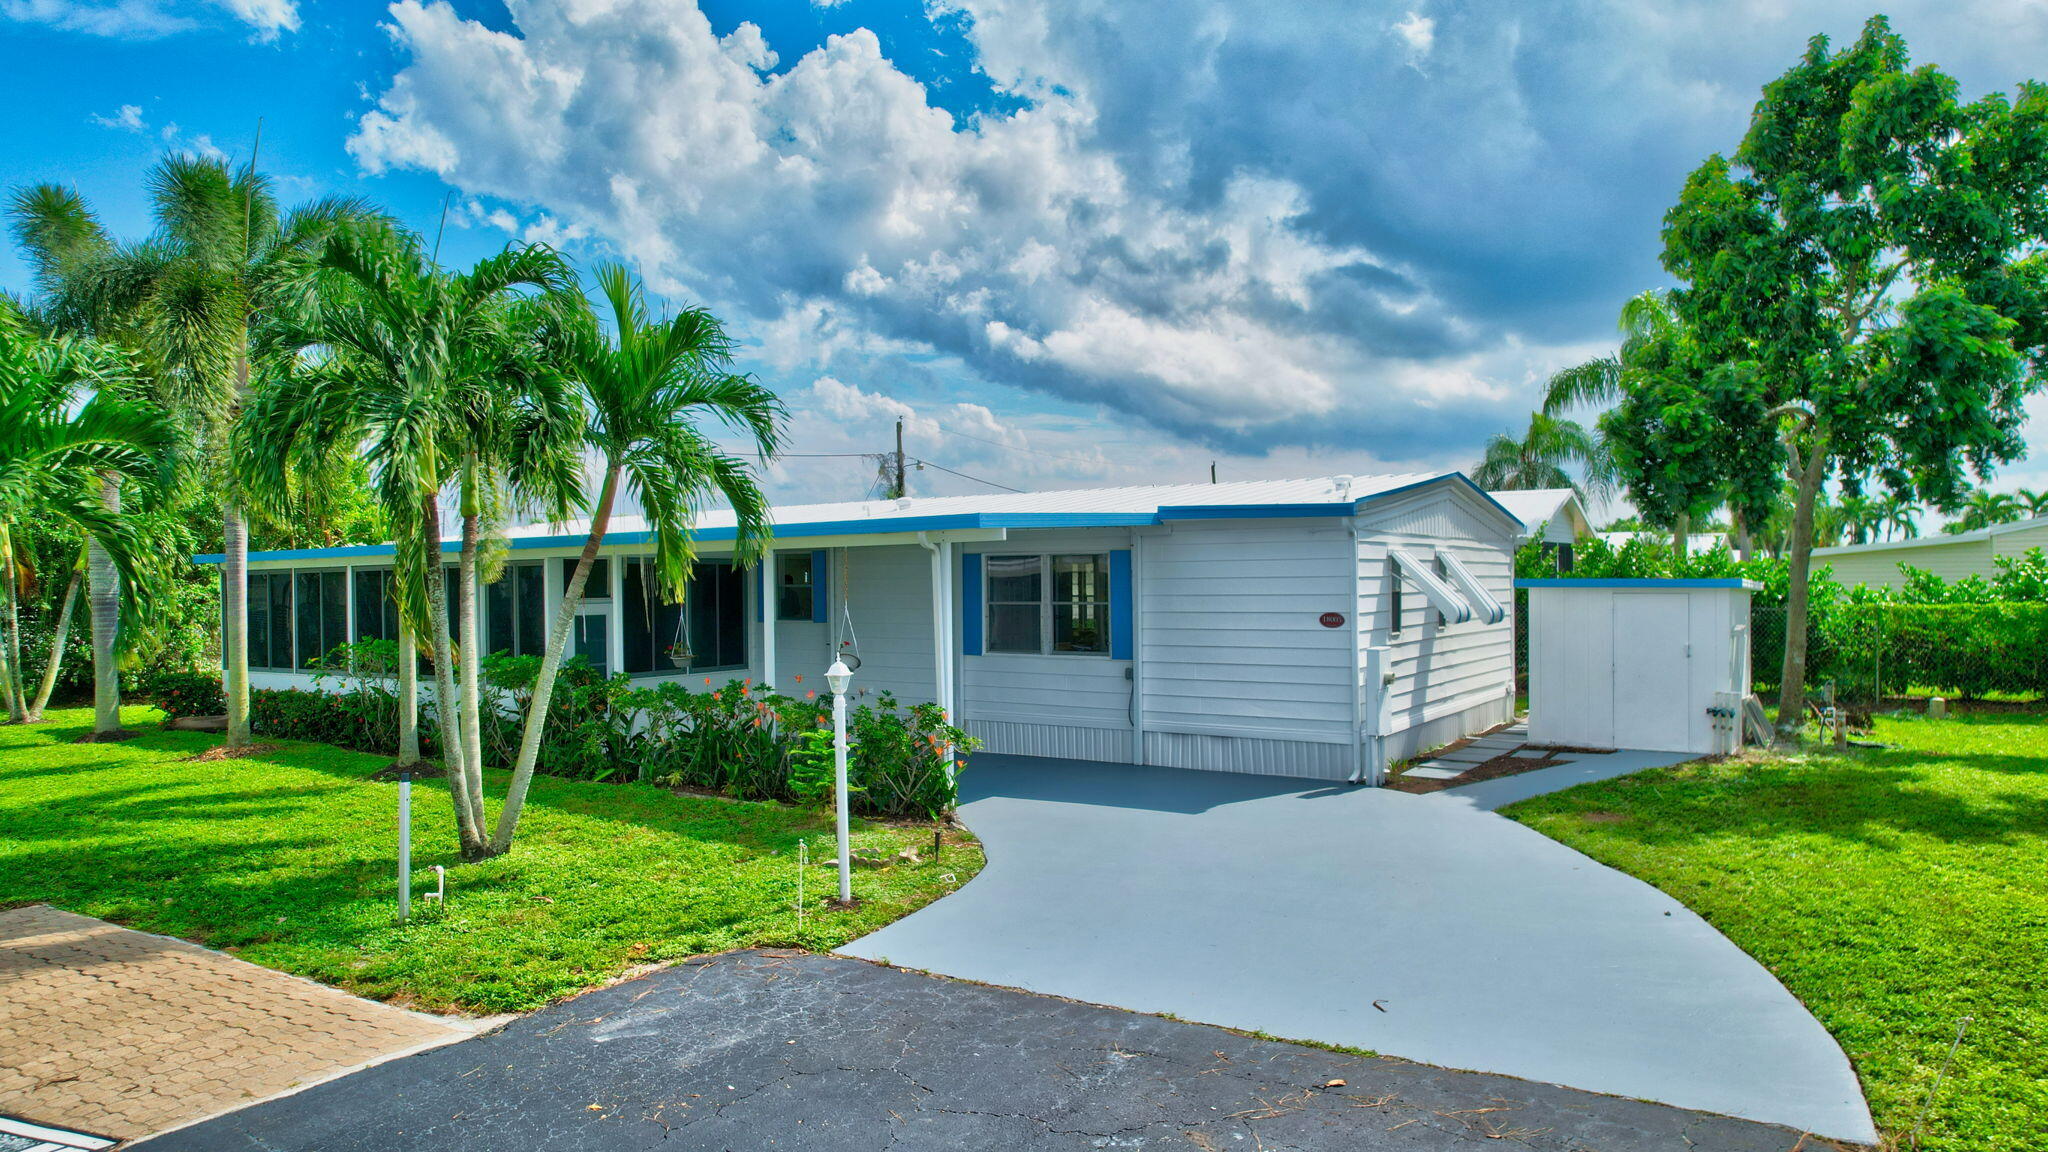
pixel 837 677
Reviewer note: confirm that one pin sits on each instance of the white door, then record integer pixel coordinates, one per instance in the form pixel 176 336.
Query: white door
pixel 1652 671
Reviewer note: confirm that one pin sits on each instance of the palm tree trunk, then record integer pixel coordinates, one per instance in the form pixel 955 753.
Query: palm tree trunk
pixel 550 664
pixel 467 829
pixel 234 615
pixel 234 594
pixel 408 696
pixel 11 685
pixel 469 661
pixel 1743 546
pixel 105 597
pixel 1792 682
pixel 56 660
pixel 1681 529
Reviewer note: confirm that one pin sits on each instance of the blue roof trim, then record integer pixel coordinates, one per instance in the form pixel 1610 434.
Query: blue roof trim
pixel 1640 582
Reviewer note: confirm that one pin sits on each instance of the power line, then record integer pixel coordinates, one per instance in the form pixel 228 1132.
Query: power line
pixel 965 476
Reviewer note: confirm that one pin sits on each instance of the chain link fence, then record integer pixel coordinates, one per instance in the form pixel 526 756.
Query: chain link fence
pixel 1883 656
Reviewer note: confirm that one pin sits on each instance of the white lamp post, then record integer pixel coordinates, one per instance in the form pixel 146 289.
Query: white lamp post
pixel 837 678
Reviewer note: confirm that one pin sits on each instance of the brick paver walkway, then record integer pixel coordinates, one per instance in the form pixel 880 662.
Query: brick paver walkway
pixel 121 1033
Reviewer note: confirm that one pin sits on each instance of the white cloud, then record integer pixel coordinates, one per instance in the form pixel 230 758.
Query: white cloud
pixel 128 118
pixel 835 191
pixel 149 19
pixel 1418 32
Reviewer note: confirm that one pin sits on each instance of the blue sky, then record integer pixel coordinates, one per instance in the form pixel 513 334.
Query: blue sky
pixel 1070 243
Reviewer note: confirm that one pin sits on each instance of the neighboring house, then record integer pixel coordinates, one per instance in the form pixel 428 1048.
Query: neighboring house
pixel 1553 515
pixel 1949 557
pixel 1315 628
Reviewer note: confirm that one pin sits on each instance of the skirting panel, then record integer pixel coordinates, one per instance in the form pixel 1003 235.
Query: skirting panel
pixel 1068 742
pixel 1444 729
pixel 1248 754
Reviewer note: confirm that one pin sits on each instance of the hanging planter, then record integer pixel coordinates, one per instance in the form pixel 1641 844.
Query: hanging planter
pixel 679 655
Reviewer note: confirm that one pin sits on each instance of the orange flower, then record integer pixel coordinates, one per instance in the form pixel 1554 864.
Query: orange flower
pixel 717 695
pixel 757 721
pixel 707 681
pixel 799 679
pixel 811 695
pixel 748 682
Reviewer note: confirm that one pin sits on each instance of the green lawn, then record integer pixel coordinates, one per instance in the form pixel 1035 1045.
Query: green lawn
pixel 1893 891
pixel 288 859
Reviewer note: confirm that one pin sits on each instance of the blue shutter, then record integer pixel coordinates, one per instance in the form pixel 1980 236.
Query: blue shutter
pixel 821 607
pixel 1120 623
pixel 970 604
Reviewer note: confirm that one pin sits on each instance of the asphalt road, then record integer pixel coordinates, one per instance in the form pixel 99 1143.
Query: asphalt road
pixel 757 1050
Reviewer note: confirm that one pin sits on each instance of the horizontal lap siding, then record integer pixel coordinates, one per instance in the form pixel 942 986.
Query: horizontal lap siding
pixel 1441 669
pixel 1230 638
pixel 889 593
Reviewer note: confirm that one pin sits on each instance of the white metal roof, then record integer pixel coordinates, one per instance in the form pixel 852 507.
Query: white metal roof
pixel 1936 540
pixel 1064 508
pixel 1537 507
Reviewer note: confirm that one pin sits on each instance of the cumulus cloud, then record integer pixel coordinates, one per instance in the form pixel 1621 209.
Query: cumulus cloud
pixel 148 19
pixel 1252 228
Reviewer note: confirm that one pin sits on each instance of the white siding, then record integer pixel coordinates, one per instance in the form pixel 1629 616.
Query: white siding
pixel 1450 679
pixel 1578 693
pixel 889 594
pixel 1229 636
pixel 1038 738
pixel 1879 567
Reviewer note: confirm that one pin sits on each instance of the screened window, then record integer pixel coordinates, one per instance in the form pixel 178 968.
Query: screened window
pixel 514 610
pixel 1048 604
pixel 270 620
pixel 376 608
pixel 321 601
pixel 706 632
pixel 795 592
pixel 599 586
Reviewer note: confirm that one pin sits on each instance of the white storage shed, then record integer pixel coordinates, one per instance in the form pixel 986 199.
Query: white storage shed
pixel 1317 628
pixel 1659 665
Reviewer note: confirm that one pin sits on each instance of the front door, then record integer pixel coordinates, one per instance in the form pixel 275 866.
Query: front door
pixel 1652 671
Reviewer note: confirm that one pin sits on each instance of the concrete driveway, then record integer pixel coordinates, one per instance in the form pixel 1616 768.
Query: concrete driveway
pixel 1412 926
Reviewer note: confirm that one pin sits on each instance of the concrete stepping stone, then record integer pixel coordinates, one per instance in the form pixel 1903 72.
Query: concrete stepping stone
pixel 1437 770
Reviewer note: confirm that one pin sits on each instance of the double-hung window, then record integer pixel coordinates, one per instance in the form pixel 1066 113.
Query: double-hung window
pixel 1048 604
pixel 795 586
pixel 514 610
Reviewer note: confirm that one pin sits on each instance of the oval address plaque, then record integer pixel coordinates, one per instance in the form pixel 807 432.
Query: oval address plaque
pixel 1331 619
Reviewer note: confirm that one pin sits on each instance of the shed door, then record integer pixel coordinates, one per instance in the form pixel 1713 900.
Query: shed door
pixel 1652 671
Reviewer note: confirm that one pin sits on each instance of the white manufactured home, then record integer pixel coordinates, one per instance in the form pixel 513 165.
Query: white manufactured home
pixel 1317 628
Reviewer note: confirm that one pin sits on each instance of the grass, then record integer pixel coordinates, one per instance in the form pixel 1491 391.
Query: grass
pixel 288 859
pixel 1894 891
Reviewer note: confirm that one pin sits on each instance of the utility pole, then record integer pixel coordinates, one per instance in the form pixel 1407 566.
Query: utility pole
pixel 901 489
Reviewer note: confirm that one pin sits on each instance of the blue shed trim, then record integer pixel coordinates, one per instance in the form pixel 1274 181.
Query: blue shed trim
pixel 1120 622
pixel 970 603
pixel 1639 582
pixel 1254 511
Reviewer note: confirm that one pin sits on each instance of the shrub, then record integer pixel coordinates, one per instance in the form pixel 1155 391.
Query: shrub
pixel 186 693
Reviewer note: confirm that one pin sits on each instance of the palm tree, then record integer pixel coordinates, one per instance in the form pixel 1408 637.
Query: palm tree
pixel 1984 508
pixel 1899 515
pixel 191 297
pixel 2034 500
pixel 1860 518
pixel 432 374
pixel 51 449
pixel 1540 457
pixel 645 389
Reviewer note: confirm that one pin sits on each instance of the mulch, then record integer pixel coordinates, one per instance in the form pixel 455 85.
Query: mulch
pixel 223 752
pixel 1508 764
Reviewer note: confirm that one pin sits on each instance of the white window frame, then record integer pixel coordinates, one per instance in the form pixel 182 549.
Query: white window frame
pixel 1046 600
